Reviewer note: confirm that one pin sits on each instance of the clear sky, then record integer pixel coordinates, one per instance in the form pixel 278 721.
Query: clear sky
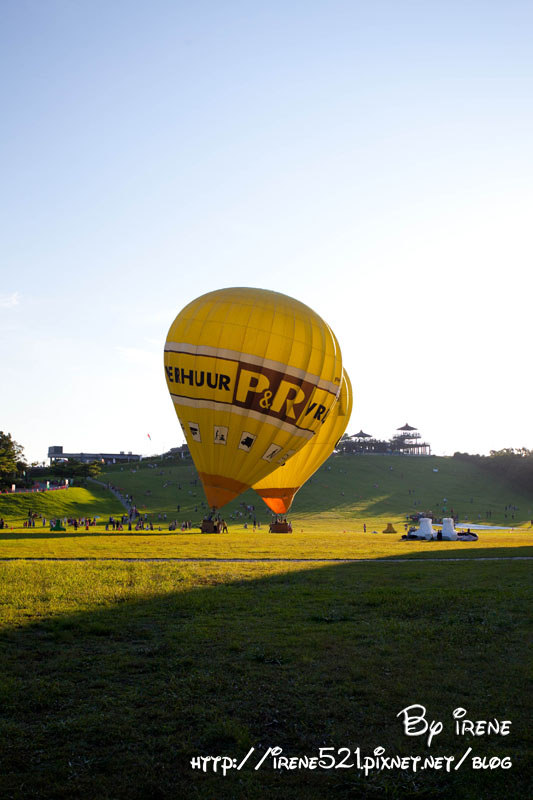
pixel 372 159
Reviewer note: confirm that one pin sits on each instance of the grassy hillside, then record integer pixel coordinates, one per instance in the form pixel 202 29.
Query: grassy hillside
pixel 73 502
pixel 372 488
pixel 346 493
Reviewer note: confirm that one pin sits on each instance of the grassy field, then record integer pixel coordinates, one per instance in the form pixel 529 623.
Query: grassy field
pixel 348 491
pixel 328 517
pixel 347 487
pixel 115 674
pixel 318 541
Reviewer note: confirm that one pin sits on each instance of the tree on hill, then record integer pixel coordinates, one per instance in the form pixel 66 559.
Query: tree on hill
pixel 93 469
pixel 514 465
pixel 522 452
pixel 65 469
pixel 76 469
pixel 12 463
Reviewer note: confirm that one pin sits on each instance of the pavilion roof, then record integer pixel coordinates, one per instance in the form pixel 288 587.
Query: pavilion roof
pixel 406 427
pixel 361 435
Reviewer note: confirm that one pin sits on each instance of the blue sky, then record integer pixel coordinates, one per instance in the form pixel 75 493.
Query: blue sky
pixel 373 160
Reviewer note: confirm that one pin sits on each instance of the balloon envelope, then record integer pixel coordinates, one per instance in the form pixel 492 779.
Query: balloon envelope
pixel 279 487
pixel 252 375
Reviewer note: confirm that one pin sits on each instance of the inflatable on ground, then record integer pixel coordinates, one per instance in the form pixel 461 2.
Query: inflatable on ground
pixel 425 530
pixel 253 376
pixel 448 529
pixel 279 487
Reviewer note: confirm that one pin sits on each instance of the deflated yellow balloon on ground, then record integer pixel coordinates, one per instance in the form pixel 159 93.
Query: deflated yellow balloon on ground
pixel 279 487
pixel 253 375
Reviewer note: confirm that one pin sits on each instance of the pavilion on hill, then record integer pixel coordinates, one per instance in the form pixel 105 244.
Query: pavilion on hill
pixel 361 436
pixel 409 442
pixel 362 443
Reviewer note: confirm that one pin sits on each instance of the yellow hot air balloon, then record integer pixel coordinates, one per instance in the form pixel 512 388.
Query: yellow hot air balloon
pixel 279 487
pixel 253 375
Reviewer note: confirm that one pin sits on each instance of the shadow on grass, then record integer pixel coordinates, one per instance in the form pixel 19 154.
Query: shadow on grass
pixel 429 551
pixel 149 665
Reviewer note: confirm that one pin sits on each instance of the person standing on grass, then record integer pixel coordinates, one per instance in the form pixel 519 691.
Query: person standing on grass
pixel 364 527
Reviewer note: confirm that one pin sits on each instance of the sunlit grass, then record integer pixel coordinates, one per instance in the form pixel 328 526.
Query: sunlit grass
pixel 76 501
pixel 311 539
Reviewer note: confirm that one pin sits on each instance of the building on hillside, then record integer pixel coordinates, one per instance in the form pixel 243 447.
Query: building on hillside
pixel 55 453
pixel 408 442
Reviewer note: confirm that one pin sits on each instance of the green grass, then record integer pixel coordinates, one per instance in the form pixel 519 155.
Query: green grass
pixel 72 502
pixel 328 515
pixel 348 490
pixel 318 540
pixel 347 487
pixel 115 675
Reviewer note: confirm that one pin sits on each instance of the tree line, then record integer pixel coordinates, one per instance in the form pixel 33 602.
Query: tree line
pixel 514 465
pixel 13 465
pixel 14 468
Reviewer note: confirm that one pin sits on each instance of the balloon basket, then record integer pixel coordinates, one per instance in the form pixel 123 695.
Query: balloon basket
pixel 208 526
pixel 280 527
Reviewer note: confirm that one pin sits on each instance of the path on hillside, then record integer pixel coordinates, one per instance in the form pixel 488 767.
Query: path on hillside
pixel 113 491
pixel 273 560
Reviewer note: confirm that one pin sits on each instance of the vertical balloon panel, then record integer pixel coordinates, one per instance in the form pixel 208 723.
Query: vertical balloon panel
pixel 279 487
